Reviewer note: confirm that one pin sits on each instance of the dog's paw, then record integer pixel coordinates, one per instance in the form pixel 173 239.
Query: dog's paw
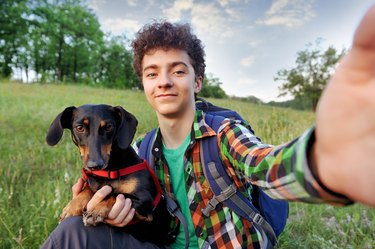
pixel 92 218
pixel 68 211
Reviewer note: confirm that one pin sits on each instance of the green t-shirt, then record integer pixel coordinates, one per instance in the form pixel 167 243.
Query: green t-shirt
pixel 175 159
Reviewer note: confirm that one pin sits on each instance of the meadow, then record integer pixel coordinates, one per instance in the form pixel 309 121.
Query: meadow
pixel 36 179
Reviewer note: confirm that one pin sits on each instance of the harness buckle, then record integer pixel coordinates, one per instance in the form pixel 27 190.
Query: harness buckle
pixel 258 219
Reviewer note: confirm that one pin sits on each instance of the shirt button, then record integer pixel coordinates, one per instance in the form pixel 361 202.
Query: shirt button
pixel 156 149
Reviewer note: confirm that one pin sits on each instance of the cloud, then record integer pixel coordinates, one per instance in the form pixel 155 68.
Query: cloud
pixel 289 13
pixel 206 18
pixel 132 3
pixel 95 4
pixel 247 61
pixel 174 13
pixel 120 26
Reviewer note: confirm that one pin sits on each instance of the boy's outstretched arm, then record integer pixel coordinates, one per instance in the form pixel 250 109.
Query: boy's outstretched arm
pixel 344 151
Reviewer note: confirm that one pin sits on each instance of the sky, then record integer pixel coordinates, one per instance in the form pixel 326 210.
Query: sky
pixel 246 42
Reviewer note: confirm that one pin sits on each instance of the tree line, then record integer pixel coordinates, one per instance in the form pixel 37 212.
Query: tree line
pixel 61 41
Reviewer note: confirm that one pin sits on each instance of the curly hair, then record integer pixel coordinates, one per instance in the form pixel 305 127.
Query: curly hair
pixel 165 35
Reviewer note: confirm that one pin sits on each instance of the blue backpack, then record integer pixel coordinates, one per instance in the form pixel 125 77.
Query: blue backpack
pixel 268 215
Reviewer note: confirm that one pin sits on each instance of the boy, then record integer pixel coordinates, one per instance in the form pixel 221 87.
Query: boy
pixel 320 166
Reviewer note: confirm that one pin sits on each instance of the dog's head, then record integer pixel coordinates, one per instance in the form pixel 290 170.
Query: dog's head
pixel 95 130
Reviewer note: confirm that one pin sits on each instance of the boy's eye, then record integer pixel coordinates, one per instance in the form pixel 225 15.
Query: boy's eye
pixel 151 75
pixel 179 72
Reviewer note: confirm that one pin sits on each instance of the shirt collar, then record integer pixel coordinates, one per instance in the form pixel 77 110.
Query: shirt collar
pixel 200 129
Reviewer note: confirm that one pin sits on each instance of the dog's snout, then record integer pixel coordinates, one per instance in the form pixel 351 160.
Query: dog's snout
pixel 97 164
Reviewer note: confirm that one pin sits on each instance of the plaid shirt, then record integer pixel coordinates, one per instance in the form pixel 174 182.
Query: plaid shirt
pixel 282 172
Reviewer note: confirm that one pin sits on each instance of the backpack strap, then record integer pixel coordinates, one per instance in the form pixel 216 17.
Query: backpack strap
pixel 225 191
pixel 145 151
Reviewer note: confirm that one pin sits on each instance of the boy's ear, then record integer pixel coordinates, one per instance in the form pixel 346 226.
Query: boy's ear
pixel 198 84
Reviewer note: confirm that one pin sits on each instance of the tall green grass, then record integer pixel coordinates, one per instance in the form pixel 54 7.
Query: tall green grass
pixel 36 180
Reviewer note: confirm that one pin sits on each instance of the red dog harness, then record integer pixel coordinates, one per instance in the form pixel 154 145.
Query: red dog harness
pixel 116 174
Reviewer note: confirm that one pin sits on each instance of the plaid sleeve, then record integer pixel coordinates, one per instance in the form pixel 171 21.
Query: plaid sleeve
pixel 281 171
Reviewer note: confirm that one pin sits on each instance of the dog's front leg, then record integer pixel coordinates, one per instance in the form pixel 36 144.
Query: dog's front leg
pixel 77 205
pixel 99 212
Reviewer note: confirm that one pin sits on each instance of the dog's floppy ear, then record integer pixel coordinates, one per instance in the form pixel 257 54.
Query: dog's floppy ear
pixel 56 129
pixel 127 125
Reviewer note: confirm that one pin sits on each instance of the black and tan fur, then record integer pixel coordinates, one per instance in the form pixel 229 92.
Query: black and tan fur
pixel 103 135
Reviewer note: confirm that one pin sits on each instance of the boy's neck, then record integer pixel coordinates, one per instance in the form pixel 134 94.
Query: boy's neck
pixel 174 130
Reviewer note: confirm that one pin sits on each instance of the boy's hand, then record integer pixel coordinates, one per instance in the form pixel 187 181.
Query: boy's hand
pixel 345 128
pixel 121 213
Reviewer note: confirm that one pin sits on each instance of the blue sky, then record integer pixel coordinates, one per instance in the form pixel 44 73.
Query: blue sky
pixel 248 41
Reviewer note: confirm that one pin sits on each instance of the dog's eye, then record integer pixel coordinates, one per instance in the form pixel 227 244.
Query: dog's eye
pixel 80 128
pixel 108 127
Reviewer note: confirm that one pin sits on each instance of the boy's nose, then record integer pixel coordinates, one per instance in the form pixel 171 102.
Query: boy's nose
pixel 165 80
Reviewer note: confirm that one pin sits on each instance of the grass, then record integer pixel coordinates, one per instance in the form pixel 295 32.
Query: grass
pixel 35 179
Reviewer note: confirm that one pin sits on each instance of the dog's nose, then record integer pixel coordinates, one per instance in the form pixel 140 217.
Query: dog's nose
pixel 97 164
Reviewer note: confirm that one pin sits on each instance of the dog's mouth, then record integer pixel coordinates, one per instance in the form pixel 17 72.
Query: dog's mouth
pixel 95 168
pixel 99 164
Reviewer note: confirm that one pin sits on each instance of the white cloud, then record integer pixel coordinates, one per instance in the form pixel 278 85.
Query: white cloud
pixel 120 26
pixel 206 19
pixel 174 13
pixel 132 3
pixel 95 4
pixel 247 61
pixel 225 3
pixel 290 13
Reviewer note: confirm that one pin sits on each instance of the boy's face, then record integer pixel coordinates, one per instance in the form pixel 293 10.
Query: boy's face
pixel 169 81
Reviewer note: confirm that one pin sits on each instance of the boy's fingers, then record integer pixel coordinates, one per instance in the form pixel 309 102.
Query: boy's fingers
pixel 358 65
pixel 365 34
pixel 120 204
pixel 99 196
pixel 77 187
pixel 121 213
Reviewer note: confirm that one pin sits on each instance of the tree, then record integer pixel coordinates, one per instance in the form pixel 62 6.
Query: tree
pixel 115 64
pixel 312 72
pixel 61 41
pixel 13 29
pixel 211 88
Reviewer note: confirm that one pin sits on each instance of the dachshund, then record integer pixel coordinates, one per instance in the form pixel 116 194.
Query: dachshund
pixel 103 135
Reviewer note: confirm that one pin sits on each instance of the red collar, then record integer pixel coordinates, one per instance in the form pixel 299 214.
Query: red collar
pixel 115 174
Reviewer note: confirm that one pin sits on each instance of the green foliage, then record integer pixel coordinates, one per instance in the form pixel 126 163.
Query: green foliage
pixel 61 41
pixel 36 180
pixel 114 64
pixel 13 26
pixel 211 88
pixel 311 73
pixel 298 103
pixel 250 99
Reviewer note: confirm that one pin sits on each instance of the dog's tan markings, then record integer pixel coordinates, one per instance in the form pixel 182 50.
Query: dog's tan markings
pixel 106 151
pixel 77 204
pixel 127 186
pixel 86 121
pixel 84 151
pixel 103 123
